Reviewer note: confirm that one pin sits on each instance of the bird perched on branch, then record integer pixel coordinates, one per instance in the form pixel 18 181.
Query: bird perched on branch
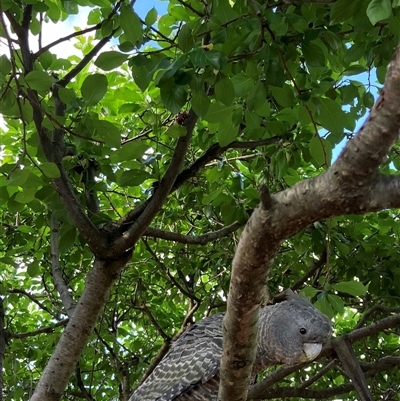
pixel 289 332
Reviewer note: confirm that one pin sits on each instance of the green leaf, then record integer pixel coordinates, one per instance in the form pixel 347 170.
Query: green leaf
pixel 33 269
pixel 133 178
pixel 336 302
pixel 5 65
pixel 379 10
pixel 130 23
pixel 331 116
pixel 19 177
pixel 151 17
pixel 130 151
pixel 50 170
pixel 173 96
pixel 218 111
pixel 310 292
pixel 257 100
pixel 94 88
pixel 343 10
pixel 176 131
pixel 128 108
pixel 108 132
pixel 68 235
pixel 243 84
pixel 212 196
pixel 321 151
pixel 26 196
pixel 325 307
pixel 185 38
pixel 354 288
pixel 200 103
pixel 202 58
pixel 225 91
pixel 39 80
pixel 284 96
pixel 107 61
pixel 314 55
pixel 227 133
pixel 368 100
pixel 223 11
pixel 68 96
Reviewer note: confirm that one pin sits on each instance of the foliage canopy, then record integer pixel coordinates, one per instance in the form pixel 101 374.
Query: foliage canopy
pixel 276 86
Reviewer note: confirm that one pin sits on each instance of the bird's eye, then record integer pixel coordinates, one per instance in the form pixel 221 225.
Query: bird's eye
pixel 303 330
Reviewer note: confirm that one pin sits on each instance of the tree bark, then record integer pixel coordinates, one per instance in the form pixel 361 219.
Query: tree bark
pixel 352 184
pixel 66 355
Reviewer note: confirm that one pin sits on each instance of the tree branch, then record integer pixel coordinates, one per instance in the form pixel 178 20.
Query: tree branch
pixel 213 152
pixel 35 300
pixel 352 367
pixel 58 279
pixel 192 239
pixel 171 278
pixel 132 235
pixel 49 329
pixel 344 188
pixel 68 350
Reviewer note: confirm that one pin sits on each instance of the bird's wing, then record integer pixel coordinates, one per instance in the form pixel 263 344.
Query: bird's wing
pixel 193 358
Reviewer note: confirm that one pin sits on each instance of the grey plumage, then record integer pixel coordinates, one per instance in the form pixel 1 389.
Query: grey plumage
pixel 289 332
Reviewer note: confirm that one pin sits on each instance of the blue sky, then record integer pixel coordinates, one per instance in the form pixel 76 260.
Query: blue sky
pixel 143 6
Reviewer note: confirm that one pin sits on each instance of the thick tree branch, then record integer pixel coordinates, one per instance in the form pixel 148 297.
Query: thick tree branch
pixel 75 336
pixel 192 239
pixel 250 267
pixel 344 188
pixel 132 235
pixel 53 150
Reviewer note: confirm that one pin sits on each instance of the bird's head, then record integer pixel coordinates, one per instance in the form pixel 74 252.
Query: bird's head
pixel 292 331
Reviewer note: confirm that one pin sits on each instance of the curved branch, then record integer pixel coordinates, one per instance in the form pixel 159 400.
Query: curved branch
pixel 346 187
pixel 35 300
pixel 49 329
pixel 192 239
pixel 213 152
pixel 216 150
pixel 65 38
pixel 86 60
pixel 132 235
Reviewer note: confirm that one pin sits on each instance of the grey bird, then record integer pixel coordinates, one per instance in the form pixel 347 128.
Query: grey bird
pixel 289 332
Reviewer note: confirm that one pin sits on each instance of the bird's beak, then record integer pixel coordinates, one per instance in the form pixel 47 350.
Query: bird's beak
pixel 312 350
